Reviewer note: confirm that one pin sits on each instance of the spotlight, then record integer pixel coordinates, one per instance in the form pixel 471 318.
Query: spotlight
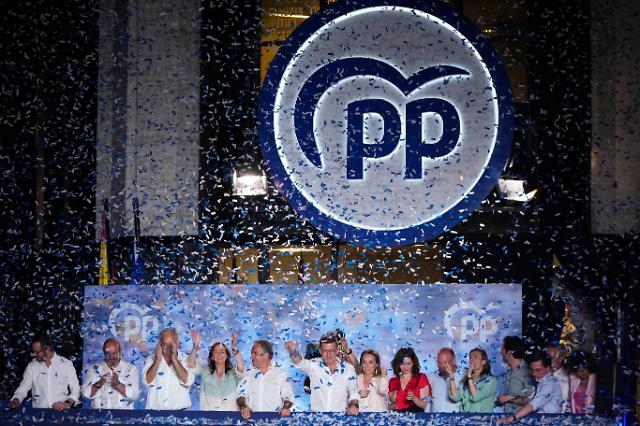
pixel 513 190
pixel 249 183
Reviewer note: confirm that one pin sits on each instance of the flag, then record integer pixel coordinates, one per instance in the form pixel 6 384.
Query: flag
pixel 137 273
pixel 103 274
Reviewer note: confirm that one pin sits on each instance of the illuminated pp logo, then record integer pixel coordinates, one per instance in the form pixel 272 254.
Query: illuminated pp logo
pixel 133 323
pixel 464 321
pixel 384 123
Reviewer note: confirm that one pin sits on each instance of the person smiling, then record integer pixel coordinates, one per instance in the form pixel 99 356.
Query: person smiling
pixel 333 381
pixel 373 384
pixel 51 379
pixel 409 390
pixel 113 383
pixel 219 378
pixel 264 387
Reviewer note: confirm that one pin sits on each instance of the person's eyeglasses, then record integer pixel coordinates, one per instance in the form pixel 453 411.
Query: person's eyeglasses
pixel 329 338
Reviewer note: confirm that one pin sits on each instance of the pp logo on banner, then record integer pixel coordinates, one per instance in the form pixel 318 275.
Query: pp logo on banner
pixel 464 321
pixel 385 123
pixel 133 323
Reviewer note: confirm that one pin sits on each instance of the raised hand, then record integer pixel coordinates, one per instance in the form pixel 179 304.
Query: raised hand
pixel 291 346
pixel 234 341
pixel 158 351
pixel 115 382
pixel 449 368
pixel 196 337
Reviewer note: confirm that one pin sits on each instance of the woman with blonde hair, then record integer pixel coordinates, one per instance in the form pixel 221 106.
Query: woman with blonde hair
pixel 373 385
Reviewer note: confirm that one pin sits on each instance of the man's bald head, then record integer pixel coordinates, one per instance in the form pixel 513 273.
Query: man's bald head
pixel 111 351
pixel 111 342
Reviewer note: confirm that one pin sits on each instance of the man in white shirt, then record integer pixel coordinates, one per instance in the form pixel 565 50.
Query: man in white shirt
pixel 558 354
pixel 334 386
pixel 52 379
pixel 112 383
pixel 167 375
pixel 439 381
pixel 264 387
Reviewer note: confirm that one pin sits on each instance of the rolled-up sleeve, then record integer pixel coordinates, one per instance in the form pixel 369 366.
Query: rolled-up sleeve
pixel 146 368
pixel 286 390
pixel 241 389
pixel 458 395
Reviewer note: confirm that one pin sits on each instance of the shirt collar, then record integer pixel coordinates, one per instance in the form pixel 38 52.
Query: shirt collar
pixel 548 376
pixel 340 368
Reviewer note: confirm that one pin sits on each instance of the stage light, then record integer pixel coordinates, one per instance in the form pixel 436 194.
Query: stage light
pixel 249 183
pixel 513 190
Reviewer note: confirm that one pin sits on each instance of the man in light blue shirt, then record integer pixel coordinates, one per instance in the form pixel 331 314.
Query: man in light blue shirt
pixel 439 381
pixel 548 396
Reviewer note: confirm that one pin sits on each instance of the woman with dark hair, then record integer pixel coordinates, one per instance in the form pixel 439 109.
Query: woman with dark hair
pixel 582 382
pixel 373 385
pixel 409 390
pixel 477 391
pixel 219 379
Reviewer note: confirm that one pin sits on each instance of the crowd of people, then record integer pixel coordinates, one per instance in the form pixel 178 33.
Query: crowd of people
pixel 338 380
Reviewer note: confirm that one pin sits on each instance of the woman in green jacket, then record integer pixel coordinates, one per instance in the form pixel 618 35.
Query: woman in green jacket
pixel 477 391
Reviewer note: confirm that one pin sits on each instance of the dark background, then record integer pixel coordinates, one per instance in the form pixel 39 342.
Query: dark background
pixel 48 80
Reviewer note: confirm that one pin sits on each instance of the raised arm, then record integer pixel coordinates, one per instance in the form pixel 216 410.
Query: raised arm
pixel 197 340
pixel 236 353
pixel 292 347
pixel 151 373
pixel 349 355
pixel 183 373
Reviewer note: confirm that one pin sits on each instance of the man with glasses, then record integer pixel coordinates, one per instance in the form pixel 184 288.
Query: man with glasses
pixel 112 383
pixel 334 387
pixel 264 387
pixel 167 375
pixel 548 396
pixel 52 379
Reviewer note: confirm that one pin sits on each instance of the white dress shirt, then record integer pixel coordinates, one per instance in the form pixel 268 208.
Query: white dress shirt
pixel 330 392
pixel 376 400
pixel 440 401
pixel 48 385
pixel 265 392
pixel 563 377
pixel 167 391
pixel 107 397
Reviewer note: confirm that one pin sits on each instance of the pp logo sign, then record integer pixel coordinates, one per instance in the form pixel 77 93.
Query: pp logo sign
pixel 385 123
pixel 133 323
pixel 465 321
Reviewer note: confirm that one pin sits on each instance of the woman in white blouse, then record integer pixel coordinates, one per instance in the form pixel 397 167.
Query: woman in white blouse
pixel 373 384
